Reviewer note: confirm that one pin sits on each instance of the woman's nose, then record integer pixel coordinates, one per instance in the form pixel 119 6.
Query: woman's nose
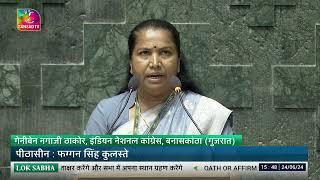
pixel 155 61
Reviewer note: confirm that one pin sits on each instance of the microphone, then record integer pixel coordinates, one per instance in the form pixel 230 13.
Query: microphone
pixel 176 83
pixel 132 85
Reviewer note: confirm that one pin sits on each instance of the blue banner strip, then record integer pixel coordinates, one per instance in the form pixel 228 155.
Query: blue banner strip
pixel 163 153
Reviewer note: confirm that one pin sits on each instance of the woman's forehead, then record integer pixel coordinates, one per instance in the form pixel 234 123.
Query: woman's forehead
pixel 154 37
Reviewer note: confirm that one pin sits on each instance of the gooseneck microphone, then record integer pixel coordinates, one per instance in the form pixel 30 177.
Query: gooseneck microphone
pixel 176 83
pixel 132 85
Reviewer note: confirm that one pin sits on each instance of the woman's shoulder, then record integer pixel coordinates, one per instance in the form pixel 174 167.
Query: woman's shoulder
pixel 99 120
pixel 210 113
pixel 111 103
pixel 205 101
pixel 113 99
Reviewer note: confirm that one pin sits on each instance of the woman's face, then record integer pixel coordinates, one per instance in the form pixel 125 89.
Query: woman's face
pixel 154 60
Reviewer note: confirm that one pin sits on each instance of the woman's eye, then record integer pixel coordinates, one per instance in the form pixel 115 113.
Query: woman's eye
pixel 144 53
pixel 165 53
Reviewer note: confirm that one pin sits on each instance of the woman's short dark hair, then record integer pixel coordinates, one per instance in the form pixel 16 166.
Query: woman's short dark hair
pixel 187 83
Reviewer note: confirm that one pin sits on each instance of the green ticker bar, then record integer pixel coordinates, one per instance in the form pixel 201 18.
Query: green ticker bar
pixel 35 167
pixel 125 140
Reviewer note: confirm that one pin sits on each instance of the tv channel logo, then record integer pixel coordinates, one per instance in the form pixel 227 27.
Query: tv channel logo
pixel 28 19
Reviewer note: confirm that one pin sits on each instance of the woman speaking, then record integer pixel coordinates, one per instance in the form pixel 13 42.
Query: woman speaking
pixel 160 97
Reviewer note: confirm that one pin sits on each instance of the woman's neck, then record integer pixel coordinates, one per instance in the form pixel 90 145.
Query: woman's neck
pixel 147 100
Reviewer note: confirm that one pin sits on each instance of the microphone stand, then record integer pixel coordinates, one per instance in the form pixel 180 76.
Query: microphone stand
pixel 178 92
pixel 114 122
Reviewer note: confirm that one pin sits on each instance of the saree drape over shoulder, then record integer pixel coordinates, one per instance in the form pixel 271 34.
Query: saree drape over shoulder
pixel 209 115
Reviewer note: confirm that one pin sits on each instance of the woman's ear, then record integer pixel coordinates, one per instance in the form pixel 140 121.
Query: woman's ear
pixel 131 71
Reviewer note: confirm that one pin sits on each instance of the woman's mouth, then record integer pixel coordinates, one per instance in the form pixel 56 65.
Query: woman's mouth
pixel 155 77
